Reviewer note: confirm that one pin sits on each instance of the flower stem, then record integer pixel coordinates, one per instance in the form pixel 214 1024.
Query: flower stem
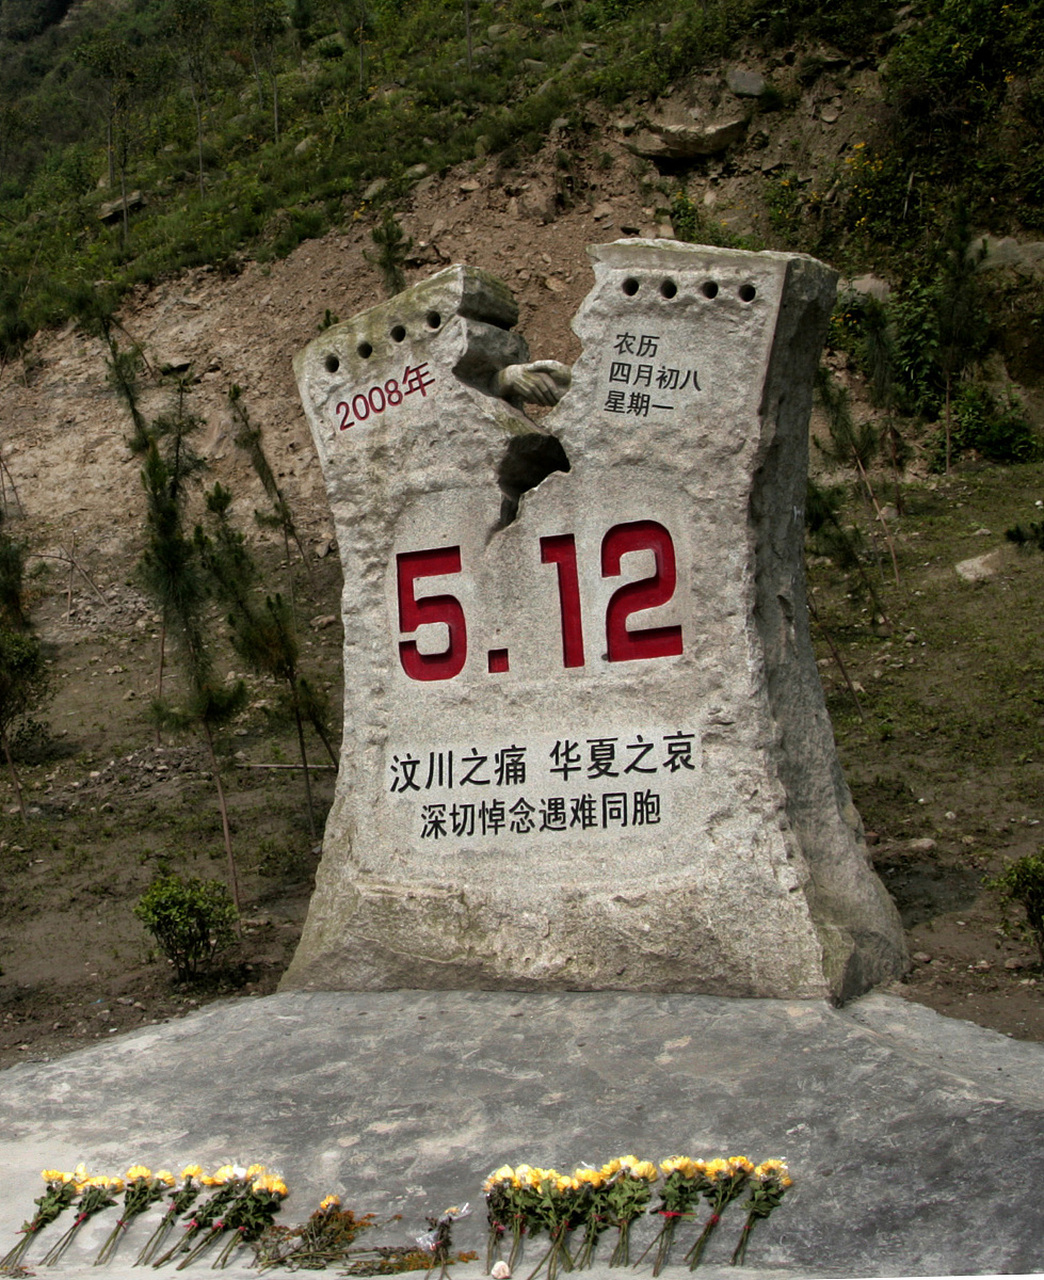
pixel 621 1255
pixel 56 1250
pixel 696 1252
pixel 10 1263
pixel 199 1248
pixel 740 1252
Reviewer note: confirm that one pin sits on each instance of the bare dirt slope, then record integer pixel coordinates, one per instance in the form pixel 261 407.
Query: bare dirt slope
pixel 109 808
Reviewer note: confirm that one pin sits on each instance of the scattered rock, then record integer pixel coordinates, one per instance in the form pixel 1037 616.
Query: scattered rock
pixel 1006 251
pixel 323 621
pixel 867 286
pixel 375 188
pixel 923 844
pixel 685 142
pixel 979 568
pixel 745 84
pixel 112 210
pixel 305 146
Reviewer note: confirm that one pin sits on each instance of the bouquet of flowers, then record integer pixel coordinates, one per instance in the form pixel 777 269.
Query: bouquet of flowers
pixel 768 1184
pixel 142 1189
pixel 186 1192
pixel 438 1239
pixel 230 1181
pixel 497 1191
pixel 514 1195
pixel 95 1193
pixel 249 1216
pixel 61 1190
pixel 725 1182
pixel 557 1211
pixel 325 1237
pixel 628 1184
pixel 592 1212
pixel 683 1182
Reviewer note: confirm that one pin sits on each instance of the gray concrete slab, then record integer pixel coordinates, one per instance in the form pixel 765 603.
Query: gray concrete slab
pixel 915 1140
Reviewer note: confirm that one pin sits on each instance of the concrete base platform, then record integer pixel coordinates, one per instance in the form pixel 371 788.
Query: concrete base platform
pixel 915 1141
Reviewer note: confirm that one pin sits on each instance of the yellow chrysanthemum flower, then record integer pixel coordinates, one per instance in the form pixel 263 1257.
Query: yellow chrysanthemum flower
pixel 255 1171
pixel 192 1171
pixel 55 1175
pixel 502 1176
pixel 740 1164
pixel 330 1202
pixel 644 1169
pixel 774 1171
pixel 594 1177
pixel 138 1171
pixel 271 1183
pixel 225 1174
pixel 79 1174
pixel 166 1177
pixel 613 1166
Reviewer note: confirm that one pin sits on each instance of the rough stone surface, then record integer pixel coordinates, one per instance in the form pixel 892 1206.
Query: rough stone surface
pixel 914 1139
pixel 979 568
pixel 868 285
pixel 112 210
pixel 685 142
pixel 745 84
pixel 586 741
pixel 1026 257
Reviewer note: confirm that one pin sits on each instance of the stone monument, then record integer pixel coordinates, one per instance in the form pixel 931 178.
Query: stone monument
pixel 585 740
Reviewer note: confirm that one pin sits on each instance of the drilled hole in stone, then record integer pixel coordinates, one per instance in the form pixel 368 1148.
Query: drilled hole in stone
pixel 433 319
pixel 528 460
pixel 365 350
pixel 332 364
pixel 668 289
pixel 630 286
pixel 398 333
pixel 709 289
pixel 747 292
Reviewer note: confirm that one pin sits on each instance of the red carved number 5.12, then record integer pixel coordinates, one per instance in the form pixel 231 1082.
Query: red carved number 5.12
pixel 622 644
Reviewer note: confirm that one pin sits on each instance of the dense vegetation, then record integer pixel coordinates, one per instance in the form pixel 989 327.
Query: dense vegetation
pixel 248 125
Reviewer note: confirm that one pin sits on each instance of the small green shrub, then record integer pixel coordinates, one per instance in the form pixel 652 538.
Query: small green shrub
pixel 1023 882
pixel 685 217
pixel 192 921
pixel 1033 536
pixel 392 247
pixel 996 429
